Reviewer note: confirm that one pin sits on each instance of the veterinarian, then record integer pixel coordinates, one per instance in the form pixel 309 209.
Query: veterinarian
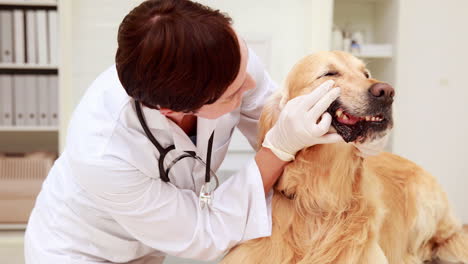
pixel 132 183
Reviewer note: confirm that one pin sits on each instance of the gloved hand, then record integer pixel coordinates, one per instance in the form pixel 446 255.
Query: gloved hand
pixel 297 127
pixel 371 148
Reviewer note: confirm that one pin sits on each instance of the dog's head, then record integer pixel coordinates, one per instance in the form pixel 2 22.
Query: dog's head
pixel 363 111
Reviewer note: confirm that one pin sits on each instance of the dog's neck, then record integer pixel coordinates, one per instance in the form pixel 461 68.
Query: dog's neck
pixel 323 178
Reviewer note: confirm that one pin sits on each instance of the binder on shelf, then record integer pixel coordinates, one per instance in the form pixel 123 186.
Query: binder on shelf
pixel 53 36
pixel 18 43
pixel 6 100
pixel 53 103
pixel 42 38
pixel 43 99
pixel 19 103
pixel 30 100
pixel 31 38
pixel 6 36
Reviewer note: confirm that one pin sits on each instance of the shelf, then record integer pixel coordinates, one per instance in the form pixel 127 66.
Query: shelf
pixel 16 66
pixel 29 129
pixel 13 226
pixel 28 3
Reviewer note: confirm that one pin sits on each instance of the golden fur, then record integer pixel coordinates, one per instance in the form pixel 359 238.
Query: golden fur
pixel 331 206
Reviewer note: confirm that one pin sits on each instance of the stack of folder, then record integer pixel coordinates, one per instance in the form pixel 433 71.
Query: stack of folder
pixel 28 37
pixel 29 100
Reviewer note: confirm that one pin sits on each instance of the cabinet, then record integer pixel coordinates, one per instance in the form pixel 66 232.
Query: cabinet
pixel 29 102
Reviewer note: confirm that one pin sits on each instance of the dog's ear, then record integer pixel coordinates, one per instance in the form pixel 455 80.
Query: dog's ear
pixel 270 114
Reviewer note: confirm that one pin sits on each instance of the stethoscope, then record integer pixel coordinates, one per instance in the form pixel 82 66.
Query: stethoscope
pixel 206 191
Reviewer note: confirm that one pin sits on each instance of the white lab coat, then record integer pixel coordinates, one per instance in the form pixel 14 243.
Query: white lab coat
pixel 103 200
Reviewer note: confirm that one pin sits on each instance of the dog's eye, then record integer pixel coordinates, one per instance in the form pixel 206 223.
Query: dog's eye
pixel 330 73
pixel 367 75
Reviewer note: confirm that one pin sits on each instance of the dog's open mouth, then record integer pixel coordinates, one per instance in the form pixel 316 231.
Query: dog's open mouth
pixel 348 119
pixel 357 128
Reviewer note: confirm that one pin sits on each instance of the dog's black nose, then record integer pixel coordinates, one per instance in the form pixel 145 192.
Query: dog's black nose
pixel 382 91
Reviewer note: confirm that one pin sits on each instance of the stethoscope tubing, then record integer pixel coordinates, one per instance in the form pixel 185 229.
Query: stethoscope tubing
pixel 164 174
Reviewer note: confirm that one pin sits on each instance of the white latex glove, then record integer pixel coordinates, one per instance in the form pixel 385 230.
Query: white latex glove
pixel 371 148
pixel 297 126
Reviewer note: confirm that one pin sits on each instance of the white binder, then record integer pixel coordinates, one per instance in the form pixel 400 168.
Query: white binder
pixel 6 100
pixel 42 38
pixel 30 99
pixel 54 101
pixel 53 37
pixel 6 37
pixel 19 103
pixel 31 38
pixel 43 99
pixel 19 48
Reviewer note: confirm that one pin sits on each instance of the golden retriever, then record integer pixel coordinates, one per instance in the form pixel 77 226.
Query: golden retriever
pixel 332 206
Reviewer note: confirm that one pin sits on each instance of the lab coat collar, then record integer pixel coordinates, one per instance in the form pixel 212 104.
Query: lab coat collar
pixel 156 120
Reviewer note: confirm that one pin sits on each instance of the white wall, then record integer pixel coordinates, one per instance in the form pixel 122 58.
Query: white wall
pixel 432 92
pixel 94 38
pixel 88 40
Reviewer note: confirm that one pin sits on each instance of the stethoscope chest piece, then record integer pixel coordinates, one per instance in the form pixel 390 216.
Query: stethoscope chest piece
pixel 207 191
pixel 206 196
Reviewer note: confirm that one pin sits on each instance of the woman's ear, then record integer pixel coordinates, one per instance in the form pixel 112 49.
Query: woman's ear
pixel 165 111
pixel 171 113
pixel 269 116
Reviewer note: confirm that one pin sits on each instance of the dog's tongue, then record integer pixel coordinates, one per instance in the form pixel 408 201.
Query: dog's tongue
pixel 350 120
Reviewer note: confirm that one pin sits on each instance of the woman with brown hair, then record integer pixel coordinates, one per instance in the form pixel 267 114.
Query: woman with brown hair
pixel 136 180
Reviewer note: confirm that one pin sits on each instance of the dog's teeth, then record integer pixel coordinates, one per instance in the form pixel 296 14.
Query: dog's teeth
pixel 339 113
pixel 374 118
pixel 368 118
pixel 345 117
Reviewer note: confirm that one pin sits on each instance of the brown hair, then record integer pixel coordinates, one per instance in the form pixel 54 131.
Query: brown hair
pixel 176 54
